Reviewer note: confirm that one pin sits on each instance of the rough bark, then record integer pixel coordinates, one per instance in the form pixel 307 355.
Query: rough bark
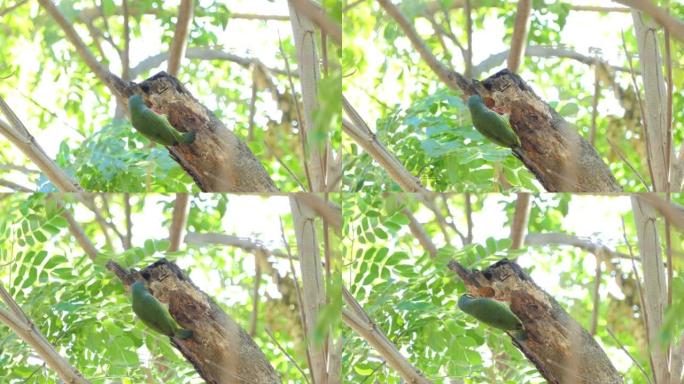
pixel 220 350
pixel 557 345
pixel 313 292
pixel 218 161
pixel 551 149
pixel 655 284
pixel 654 102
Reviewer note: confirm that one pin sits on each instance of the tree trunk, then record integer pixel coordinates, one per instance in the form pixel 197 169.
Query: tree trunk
pixel 220 350
pixel 218 161
pixel 552 150
pixel 557 345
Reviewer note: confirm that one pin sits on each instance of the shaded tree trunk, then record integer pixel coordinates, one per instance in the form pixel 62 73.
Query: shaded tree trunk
pixel 220 350
pixel 218 161
pixel 557 345
pixel 561 159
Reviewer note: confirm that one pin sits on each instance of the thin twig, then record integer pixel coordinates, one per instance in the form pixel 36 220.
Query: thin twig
pixel 617 341
pixel 302 139
pixel 643 113
pixel 126 62
pixel 300 301
pixel 281 162
pixel 287 355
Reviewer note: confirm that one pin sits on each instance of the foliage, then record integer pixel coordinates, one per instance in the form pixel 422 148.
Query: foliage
pixel 412 297
pixel 83 309
pixel 388 80
pixel 61 101
pixel 433 141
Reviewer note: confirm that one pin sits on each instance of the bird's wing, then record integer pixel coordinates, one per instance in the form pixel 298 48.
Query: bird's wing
pixel 156 315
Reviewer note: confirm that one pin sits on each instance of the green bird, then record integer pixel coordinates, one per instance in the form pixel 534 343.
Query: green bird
pixel 154 314
pixel 493 313
pixel 154 126
pixel 492 125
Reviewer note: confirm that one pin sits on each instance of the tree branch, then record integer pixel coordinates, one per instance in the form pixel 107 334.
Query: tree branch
pixel 30 334
pixel 180 36
pixel 316 14
pixel 559 238
pixel 22 139
pixel 673 25
pixel 519 38
pixel 572 356
pixel 521 216
pixel 178 220
pixel 201 54
pixel 361 133
pixel 654 289
pixel 126 62
pixel 541 51
pixel 115 84
pixel 441 70
pixel 313 292
pixel 309 75
pixel 234 241
pixel 654 102
pixel 357 319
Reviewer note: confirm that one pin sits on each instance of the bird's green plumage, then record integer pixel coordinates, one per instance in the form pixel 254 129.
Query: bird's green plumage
pixel 154 126
pixel 490 124
pixel 154 314
pixel 491 312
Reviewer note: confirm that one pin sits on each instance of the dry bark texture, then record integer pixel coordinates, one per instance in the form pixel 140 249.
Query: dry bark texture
pixel 557 345
pixel 218 161
pixel 221 351
pixel 560 158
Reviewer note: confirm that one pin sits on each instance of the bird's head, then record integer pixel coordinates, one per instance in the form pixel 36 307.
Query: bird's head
pixel 474 100
pixel 464 299
pixel 138 286
pixel 135 101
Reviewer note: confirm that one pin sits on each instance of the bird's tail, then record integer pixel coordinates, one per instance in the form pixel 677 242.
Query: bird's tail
pixel 188 137
pixel 183 334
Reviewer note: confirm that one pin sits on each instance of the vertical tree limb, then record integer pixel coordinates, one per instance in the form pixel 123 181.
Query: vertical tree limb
pixel 654 289
pixel 126 62
pixel 313 293
pixel 594 104
pixel 467 9
pixel 521 215
pixel 180 36
pixel 178 220
pixel 255 297
pixel 128 237
pixel 307 63
pixel 519 38
pixel 596 298
pixel 654 101
pixel 469 218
